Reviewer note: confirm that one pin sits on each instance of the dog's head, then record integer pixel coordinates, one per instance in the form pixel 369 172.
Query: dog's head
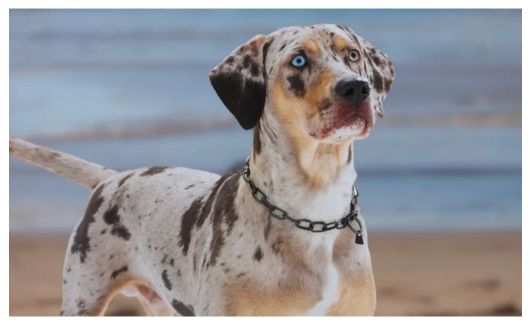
pixel 322 82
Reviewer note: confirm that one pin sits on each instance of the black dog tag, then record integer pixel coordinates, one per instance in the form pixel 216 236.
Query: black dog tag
pixel 359 238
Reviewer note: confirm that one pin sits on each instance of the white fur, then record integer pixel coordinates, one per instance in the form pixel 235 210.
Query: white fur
pixel 331 289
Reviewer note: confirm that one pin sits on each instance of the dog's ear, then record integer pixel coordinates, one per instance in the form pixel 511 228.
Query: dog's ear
pixel 380 71
pixel 240 81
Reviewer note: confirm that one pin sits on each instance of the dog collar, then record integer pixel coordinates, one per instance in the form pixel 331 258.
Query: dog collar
pixel 351 220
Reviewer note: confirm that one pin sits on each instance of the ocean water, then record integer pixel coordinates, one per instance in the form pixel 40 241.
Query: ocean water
pixel 129 88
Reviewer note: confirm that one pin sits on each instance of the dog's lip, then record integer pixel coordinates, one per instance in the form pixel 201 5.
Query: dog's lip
pixel 354 121
pixel 345 117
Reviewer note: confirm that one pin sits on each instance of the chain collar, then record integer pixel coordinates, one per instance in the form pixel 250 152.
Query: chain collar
pixel 351 220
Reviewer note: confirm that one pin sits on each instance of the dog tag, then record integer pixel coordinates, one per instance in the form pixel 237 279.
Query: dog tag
pixel 359 238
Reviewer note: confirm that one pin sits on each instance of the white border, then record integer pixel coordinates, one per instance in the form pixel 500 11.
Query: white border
pixel 4 121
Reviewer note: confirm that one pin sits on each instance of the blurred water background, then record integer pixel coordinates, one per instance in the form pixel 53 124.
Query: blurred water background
pixel 129 88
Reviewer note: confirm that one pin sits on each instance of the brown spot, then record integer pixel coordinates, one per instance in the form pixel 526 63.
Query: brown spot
pixel 267 229
pixel 339 43
pixel 254 69
pixel 81 243
pixel 349 154
pixel 265 51
pixel 311 46
pixel 81 305
pixel 296 85
pixel 376 59
pixel 377 81
pixel 121 231
pixel 205 212
pixel 188 220
pixel 122 269
pixel 153 171
pixel 251 65
pixel 224 207
pixel 167 283
pixel 256 141
pixel 247 60
pixel 124 179
pixel 388 83
pixel 258 254
pixel 182 309
pixel 111 217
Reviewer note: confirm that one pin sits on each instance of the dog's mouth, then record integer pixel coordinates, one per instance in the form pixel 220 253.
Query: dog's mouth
pixel 343 122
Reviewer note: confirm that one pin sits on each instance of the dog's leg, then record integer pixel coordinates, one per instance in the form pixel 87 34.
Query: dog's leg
pixel 86 293
pixel 88 287
pixel 96 268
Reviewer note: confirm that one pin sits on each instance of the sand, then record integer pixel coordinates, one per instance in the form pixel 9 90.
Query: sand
pixel 416 274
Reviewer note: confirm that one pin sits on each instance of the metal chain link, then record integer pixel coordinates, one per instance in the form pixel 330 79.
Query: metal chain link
pixel 351 220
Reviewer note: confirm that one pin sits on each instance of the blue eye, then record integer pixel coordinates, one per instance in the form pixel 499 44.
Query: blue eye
pixel 299 61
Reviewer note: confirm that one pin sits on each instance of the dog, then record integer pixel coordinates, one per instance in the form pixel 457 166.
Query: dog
pixel 281 236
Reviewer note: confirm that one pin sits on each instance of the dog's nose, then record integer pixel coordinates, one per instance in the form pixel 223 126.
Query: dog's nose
pixel 354 91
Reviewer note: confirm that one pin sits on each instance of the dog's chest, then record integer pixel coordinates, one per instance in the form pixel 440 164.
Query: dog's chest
pixel 341 296
pixel 338 290
pixel 330 292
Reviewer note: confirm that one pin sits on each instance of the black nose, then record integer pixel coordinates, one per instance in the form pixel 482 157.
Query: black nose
pixel 354 91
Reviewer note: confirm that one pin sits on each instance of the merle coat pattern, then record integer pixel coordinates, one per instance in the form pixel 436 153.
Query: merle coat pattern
pixel 189 242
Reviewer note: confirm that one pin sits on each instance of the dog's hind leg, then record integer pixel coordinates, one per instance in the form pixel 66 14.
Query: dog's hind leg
pixel 90 285
pixel 96 266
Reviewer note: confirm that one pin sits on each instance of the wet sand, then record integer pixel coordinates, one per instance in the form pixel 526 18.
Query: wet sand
pixel 416 274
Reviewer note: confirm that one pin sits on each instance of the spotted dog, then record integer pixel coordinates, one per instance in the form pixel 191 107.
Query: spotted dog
pixel 189 242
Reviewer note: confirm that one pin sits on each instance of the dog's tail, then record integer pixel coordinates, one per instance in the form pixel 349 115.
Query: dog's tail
pixel 75 169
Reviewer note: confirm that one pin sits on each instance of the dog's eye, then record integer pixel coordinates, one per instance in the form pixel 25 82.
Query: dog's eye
pixel 299 61
pixel 354 56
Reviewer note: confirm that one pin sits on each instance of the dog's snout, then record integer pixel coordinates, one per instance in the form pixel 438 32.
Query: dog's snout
pixel 354 91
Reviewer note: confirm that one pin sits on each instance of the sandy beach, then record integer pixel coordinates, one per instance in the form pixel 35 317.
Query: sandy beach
pixel 416 274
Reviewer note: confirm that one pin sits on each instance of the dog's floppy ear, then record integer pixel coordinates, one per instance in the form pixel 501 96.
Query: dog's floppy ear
pixel 240 83
pixel 380 71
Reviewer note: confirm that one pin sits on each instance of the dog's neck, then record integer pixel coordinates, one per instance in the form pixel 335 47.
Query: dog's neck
pixel 277 170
